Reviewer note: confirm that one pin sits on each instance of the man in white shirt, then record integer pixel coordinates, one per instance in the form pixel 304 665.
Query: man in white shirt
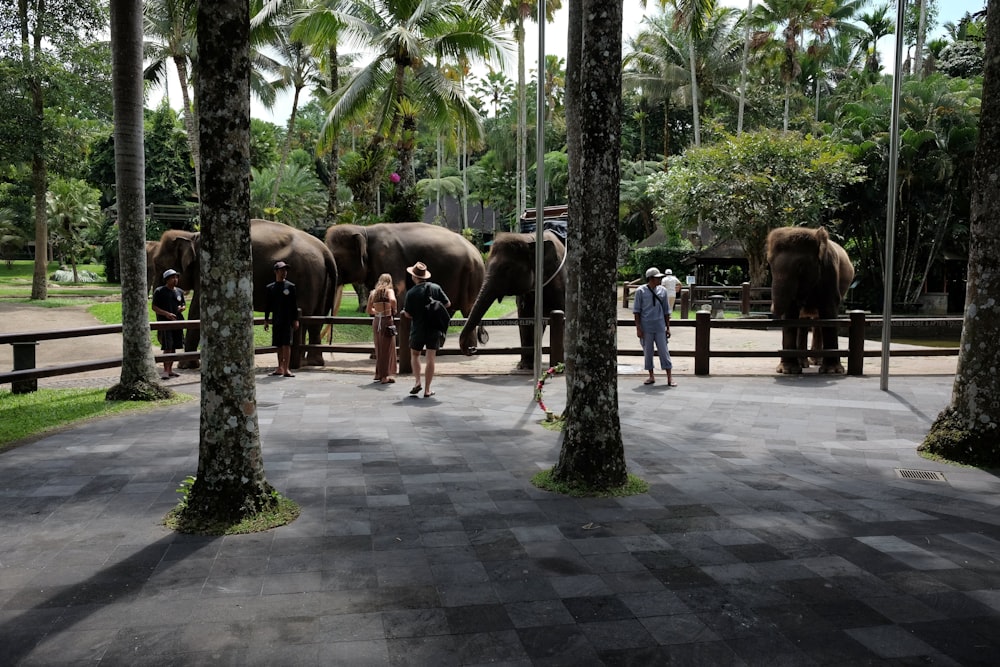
pixel 673 287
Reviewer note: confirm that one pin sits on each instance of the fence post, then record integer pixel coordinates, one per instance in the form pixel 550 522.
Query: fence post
pixel 685 302
pixel 702 342
pixel 625 295
pixel 24 359
pixel 856 343
pixel 557 334
pixel 745 297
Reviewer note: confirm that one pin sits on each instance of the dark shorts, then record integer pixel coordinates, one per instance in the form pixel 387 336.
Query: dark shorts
pixel 281 335
pixel 429 342
pixel 171 341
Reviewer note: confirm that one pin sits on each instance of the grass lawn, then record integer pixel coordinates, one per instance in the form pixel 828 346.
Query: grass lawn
pixel 32 414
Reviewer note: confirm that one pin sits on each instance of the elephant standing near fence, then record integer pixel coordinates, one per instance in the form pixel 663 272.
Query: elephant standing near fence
pixel 314 272
pixel 810 274
pixel 510 271
pixel 363 253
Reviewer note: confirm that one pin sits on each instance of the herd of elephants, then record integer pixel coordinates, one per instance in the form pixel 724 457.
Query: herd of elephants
pixel 810 275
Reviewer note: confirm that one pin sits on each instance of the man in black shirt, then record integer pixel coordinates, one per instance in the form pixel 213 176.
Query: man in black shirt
pixel 282 302
pixel 168 304
pixel 423 333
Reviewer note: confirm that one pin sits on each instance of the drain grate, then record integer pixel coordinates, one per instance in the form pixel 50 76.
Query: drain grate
pixel 928 475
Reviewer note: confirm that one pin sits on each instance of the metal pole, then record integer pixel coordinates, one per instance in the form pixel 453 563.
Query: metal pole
pixel 743 68
pixel 539 190
pixel 890 207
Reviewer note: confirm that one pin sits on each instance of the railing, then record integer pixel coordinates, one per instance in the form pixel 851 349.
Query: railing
pixel 24 376
pixel 734 297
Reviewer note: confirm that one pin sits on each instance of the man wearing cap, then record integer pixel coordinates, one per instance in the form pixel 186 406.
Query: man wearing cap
pixel 281 301
pixel 673 287
pixel 422 335
pixel 652 323
pixel 168 304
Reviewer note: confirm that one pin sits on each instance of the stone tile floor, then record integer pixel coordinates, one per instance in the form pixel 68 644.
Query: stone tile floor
pixel 776 531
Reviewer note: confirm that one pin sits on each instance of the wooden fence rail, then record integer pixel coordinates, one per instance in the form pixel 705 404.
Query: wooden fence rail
pixel 24 376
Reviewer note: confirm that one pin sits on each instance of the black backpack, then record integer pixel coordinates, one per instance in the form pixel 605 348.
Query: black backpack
pixel 438 316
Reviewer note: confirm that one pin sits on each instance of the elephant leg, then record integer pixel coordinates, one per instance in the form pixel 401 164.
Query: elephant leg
pixel 831 364
pixel 526 310
pixel 789 341
pixel 314 334
pixel 802 343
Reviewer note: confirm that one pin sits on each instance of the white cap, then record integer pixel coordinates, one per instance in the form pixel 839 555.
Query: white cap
pixel 668 272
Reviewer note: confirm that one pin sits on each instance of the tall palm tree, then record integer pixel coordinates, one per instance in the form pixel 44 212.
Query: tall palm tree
pixel 514 13
pixel 171 36
pixel 138 375
pixel 404 37
pixel 876 24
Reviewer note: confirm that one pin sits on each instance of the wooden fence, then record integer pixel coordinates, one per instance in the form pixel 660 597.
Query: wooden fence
pixel 24 376
pixel 744 298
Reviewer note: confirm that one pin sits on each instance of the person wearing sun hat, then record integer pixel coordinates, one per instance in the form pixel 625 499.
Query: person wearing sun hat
pixel 652 323
pixel 282 301
pixel 168 304
pixel 422 334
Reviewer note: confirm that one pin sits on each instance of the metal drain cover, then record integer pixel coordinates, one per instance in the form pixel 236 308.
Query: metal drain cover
pixel 928 475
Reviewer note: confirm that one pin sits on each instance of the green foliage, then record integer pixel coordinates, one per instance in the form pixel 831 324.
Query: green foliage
pixel 74 218
pixel 301 198
pixel 264 143
pixel 954 440
pixel 36 413
pixel 633 486
pixel 744 186
pixel 662 257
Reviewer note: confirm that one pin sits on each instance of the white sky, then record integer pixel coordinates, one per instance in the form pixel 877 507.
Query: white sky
pixel 555 43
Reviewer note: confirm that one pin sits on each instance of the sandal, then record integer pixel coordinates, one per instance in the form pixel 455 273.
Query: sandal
pixel 416 390
pixel 671 384
pixel 388 381
pixel 289 375
pixel 429 394
pixel 649 381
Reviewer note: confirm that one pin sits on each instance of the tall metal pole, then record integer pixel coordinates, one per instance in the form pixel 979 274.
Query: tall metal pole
pixel 890 207
pixel 743 68
pixel 539 190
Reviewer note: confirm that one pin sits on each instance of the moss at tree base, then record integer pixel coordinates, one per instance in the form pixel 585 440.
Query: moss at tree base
pixel 142 391
pixel 546 480
pixel 184 519
pixel 950 438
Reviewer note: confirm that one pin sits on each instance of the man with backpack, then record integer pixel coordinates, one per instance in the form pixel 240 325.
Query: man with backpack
pixel 425 306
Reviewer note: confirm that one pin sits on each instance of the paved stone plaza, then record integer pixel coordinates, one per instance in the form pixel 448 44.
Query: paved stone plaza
pixel 777 530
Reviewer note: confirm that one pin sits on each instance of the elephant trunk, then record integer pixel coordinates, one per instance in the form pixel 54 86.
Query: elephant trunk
pixel 467 339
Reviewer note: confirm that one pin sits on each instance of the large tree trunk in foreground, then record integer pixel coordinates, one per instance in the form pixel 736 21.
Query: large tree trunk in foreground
pixel 230 483
pixel 592 450
pixel 967 430
pixel 138 377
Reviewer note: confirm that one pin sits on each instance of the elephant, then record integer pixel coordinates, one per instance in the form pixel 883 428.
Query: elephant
pixel 313 270
pixel 810 275
pixel 510 271
pixel 151 248
pixel 363 253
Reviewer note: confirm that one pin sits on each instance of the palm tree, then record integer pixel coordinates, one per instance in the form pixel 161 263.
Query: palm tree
pixel 72 208
pixel 496 88
pixel 405 37
pixel 513 14
pixel 138 376
pixel 876 24
pixel 171 36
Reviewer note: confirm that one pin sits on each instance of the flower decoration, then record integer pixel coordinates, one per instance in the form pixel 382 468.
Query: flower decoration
pixel 557 369
pixel 394 178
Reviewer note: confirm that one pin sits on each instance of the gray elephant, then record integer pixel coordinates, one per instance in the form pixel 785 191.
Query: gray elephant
pixel 364 253
pixel 151 248
pixel 810 275
pixel 510 271
pixel 313 270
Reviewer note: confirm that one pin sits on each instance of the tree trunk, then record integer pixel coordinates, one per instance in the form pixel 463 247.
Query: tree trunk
pixel 333 157
pixel 30 49
pixel 592 453
pixel 918 51
pixel 190 119
pixel 573 107
pixel 694 90
pixel 230 484
pixel 968 430
pixel 522 125
pixel 287 148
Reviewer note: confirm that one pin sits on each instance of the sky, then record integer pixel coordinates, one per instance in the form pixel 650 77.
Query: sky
pixel 555 43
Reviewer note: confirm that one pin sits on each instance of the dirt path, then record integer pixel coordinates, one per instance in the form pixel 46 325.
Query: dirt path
pixel 20 317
